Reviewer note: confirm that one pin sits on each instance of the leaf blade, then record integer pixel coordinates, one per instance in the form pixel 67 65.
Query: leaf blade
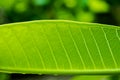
pixel 59 47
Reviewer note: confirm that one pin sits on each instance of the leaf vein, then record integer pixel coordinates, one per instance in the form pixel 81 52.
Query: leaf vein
pixel 10 52
pixel 108 44
pixel 78 52
pixel 24 53
pixel 87 49
pixel 103 63
pixel 50 47
pixel 36 48
pixel 68 58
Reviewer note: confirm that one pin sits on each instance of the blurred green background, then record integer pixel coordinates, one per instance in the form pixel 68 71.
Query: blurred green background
pixel 97 11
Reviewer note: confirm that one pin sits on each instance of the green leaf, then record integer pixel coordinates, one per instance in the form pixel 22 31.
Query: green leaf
pixel 95 77
pixel 59 47
pixel 7 4
pixel 4 76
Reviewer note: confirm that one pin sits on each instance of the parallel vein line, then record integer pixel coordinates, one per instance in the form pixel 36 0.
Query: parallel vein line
pixel 68 58
pixel 36 48
pixel 117 34
pixel 50 47
pixel 10 52
pixel 78 52
pixel 103 63
pixel 28 63
pixel 109 48
pixel 87 49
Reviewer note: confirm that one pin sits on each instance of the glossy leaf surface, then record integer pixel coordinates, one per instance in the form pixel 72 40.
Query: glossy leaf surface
pixel 59 47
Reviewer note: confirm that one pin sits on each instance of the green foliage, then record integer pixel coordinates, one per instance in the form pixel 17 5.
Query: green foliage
pixel 92 77
pixel 79 10
pixel 4 76
pixel 100 11
pixel 7 4
pixel 98 6
pixel 40 2
pixel 59 47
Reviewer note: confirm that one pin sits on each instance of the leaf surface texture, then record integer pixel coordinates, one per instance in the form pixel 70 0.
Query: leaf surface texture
pixel 62 47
